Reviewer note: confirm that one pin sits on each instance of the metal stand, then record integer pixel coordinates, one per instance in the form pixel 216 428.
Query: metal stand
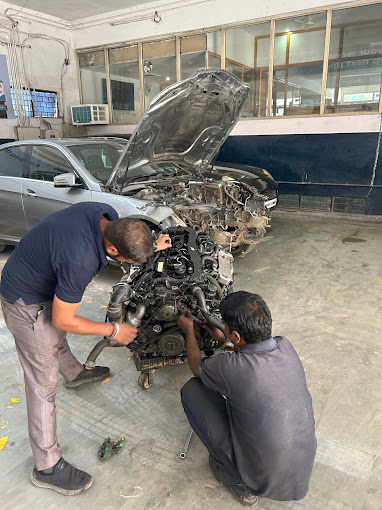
pixel 183 453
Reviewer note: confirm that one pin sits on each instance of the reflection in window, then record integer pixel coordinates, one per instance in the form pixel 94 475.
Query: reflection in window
pixel 159 66
pixel 98 158
pixel 46 162
pixel 355 60
pixel 247 56
pixel 124 84
pixel 298 65
pixel 199 52
pixel 12 161
pixel 93 77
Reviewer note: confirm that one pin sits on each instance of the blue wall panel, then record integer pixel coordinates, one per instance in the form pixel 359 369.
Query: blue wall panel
pixel 331 161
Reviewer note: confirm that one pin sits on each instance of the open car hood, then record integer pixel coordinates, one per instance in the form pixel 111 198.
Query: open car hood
pixel 186 123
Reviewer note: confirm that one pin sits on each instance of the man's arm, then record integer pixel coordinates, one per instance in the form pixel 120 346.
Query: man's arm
pixel 64 317
pixel 194 355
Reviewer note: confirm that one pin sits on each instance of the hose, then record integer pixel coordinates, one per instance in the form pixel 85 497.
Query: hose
pixel 216 284
pixel 121 293
pixel 213 321
pixel 135 319
pixel 90 362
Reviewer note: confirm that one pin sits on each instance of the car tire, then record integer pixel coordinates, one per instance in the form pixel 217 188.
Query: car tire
pixel 2 247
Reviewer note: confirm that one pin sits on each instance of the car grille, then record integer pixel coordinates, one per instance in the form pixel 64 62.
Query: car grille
pixel 268 194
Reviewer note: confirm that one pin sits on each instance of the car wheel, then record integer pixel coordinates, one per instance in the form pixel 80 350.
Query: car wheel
pixel 2 247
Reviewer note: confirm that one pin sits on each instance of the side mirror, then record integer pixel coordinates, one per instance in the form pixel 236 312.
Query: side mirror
pixel 65 181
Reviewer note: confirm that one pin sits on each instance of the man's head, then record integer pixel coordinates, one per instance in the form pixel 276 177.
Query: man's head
pixel 128 240
pixel 247 317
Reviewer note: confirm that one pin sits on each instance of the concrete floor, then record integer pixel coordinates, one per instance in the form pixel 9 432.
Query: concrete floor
pixel 322 280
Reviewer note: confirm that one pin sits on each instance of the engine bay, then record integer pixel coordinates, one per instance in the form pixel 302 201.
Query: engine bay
pixel 231 212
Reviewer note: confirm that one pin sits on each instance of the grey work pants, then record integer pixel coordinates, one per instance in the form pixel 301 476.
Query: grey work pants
pixel 43 352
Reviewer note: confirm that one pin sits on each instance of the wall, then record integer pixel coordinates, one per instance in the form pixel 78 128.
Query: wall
pixel 44 63
pixel 188 15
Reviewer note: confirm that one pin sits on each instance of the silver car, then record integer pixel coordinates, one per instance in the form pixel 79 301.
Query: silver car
pixel 161 174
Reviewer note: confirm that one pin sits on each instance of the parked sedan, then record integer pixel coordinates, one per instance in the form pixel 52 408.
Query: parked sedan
pixel 161 174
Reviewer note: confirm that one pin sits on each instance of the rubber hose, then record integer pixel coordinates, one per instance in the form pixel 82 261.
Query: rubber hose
pixel 216 283
pixel 213 321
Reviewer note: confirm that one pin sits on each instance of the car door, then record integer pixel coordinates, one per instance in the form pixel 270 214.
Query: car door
pixel 12 221
pixel 40 197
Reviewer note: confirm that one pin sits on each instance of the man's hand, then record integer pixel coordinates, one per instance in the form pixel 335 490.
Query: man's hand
pixel 214 333
pixel 163 242
pixel 185 323
pixel 126 334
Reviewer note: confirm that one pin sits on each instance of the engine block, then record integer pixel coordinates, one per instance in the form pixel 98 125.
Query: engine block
pixel 194 274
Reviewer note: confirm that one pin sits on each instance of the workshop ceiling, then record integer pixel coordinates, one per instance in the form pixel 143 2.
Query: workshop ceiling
pixel 74 10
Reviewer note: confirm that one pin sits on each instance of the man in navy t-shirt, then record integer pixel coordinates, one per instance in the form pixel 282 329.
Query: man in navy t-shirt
pixel 41 288
pixel 251 408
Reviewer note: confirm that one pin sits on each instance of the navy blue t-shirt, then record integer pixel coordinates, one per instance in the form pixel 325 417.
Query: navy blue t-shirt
pixel 60 255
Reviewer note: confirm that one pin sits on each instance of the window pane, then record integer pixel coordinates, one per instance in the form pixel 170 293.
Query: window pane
pixel 93 77
pixel 200 51
pixel 247 56
pixel 214 49
pixel 159 68
pixel 12 160
pixel 46 162
pixel 298 64
pixel 279 58
pixel 125 85
pixel 99 159
pixel 355 60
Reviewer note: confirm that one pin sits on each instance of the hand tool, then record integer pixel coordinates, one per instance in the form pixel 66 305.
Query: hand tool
pixel 183 453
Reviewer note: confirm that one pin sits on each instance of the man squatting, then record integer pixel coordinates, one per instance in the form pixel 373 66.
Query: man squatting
pixel 251 408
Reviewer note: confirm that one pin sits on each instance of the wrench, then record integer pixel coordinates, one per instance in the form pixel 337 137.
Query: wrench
pixel 183 453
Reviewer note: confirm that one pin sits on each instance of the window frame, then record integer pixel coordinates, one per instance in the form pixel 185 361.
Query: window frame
pixel 222 28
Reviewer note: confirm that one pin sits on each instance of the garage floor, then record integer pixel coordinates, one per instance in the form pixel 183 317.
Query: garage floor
pixel 322 280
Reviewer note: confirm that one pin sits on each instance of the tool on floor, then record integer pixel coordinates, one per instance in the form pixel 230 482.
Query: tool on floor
pixel 183 453
pixel 109 448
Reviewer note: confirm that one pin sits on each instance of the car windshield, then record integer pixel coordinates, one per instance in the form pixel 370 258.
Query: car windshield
pixel 156 170
pixel 98 158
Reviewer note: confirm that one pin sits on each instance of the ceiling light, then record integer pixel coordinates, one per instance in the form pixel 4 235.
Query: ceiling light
pixel 168 78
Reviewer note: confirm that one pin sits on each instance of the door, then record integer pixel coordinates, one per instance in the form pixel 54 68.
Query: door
pixel 40 197
pixel 12 220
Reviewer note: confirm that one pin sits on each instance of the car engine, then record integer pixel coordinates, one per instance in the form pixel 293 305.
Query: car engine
pixel 231 212
pixel 194 274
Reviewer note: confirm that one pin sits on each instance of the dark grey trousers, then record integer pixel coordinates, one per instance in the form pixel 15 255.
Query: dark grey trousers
pixel 44 353
pixel 206 411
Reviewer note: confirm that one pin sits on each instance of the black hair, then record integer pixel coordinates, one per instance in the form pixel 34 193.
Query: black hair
pixel 132 238
pixel 248 314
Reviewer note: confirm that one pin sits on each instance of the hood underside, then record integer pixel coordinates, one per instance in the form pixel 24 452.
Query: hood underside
pixel 187 124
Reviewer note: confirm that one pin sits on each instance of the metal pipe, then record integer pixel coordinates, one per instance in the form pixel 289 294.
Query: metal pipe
pixel 183 453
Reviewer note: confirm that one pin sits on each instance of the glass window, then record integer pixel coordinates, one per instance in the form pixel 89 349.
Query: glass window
pixel 93 77
pixel 125 84
pixel 36 103
pixel 46 162
pixel 159 67
pixel 247 57
pixel 200 51
pixel 298 64
pixel 355 60
pixel 12 161
pixel 98 158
